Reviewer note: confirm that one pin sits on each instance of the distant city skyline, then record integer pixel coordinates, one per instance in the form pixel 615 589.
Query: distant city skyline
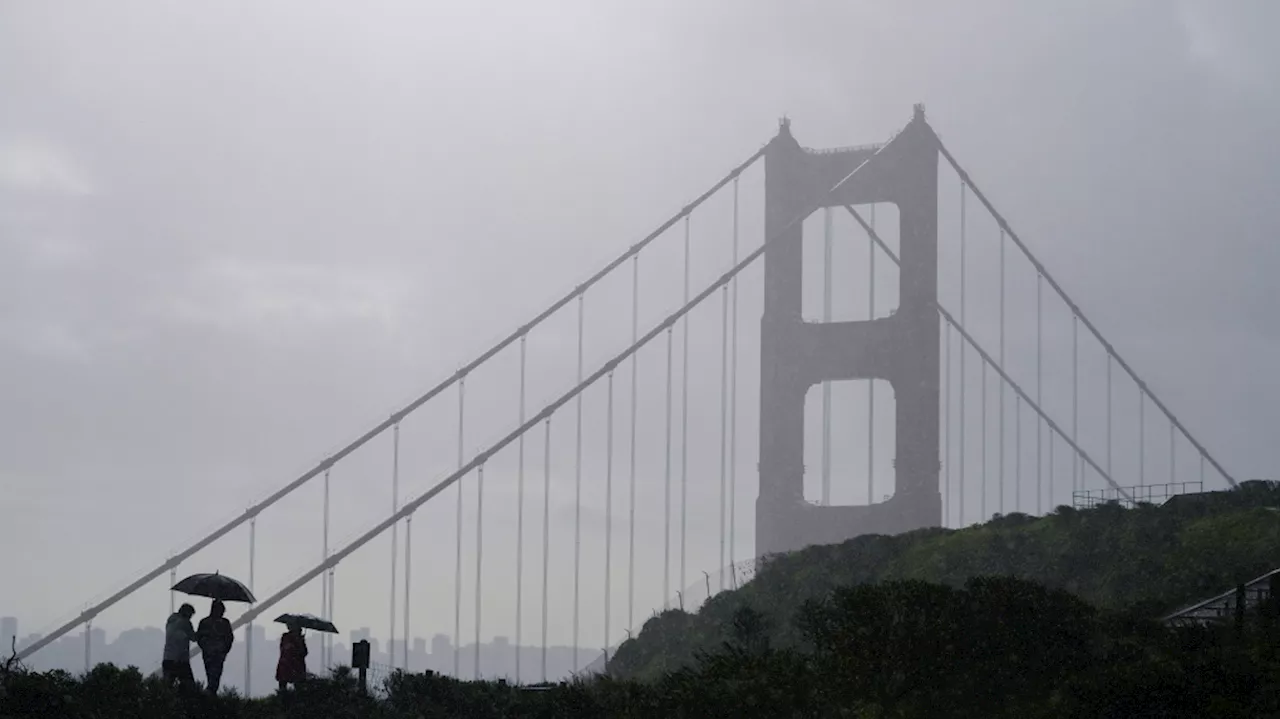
pixel 141 647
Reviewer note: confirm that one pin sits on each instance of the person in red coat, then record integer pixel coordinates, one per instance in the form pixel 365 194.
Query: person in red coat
pixel 292 667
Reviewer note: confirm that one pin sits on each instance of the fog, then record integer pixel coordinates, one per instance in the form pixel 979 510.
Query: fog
pixel 234 236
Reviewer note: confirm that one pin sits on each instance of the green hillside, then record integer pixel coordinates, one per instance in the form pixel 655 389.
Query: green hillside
pixel 1149 559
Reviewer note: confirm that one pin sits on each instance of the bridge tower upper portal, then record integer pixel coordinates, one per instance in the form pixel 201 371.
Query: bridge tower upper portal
pixel 902 349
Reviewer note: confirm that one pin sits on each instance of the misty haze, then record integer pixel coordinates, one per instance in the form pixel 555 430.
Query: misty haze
pixel 678 358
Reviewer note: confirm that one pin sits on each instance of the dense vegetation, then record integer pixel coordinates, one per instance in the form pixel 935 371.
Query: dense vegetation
pixel 997 647
pixel 1149 560
pixel 854 631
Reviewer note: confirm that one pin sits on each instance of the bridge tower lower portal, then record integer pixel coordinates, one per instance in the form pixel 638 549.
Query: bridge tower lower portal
pixel 902 349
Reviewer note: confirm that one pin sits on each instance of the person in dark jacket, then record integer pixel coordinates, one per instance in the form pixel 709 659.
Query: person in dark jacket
pixel 215 638
pixel 292 667
pixel 178 634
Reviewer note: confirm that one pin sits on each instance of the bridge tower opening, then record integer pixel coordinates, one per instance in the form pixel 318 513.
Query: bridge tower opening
pixel 901 349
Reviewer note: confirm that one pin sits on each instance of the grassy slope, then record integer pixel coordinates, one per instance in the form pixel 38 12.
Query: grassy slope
pixel 1152 558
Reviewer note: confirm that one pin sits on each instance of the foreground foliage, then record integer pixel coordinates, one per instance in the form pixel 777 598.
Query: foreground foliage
pixel 995 647
pixel 1149 560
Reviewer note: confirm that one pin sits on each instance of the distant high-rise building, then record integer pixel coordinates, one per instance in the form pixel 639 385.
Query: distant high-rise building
pixel 8 632
pixel 441 645
pixel 419 645
pixel 361 634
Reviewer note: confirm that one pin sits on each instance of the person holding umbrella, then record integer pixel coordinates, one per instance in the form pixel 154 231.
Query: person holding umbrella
pixel 215 639
pixel 292 667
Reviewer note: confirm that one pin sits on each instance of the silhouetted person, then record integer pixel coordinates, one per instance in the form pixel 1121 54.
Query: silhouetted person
pixel 178 635
pixel 215 639
pixel 292 667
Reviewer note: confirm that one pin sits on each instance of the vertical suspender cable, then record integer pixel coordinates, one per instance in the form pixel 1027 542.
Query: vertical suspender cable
pixel 479 560
pixel 1039 388
pixel 330 637
pixel 248 630
pixel 982 475
pixel 577 489
pixel 1052 441
pixel 1109 363
pixel 546 538
pixel 826 385
pixel 631 470
pixel 608 512
pixel 1142 436
pixel 733 394
pixel 871 386
pixel 1077 479
pixel 1172 456
pixel 1002 366
pixel 88 638
pixel 395 505
pixel 684 413
pixel 457 573
pixel 963 377
pixel 666 512
pixel 324 555
pixel 724 418
pixel 1017 452
pixel 520 508
pixel 408 595
pixel 946 410
pixel 173 579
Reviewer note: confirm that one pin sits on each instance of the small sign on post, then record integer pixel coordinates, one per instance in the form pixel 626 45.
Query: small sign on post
pixel 360 662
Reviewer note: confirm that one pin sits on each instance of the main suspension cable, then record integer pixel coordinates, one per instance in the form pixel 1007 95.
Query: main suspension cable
pixel 989 360
pixel 550 408
pixel 1075 310
pixel 333 459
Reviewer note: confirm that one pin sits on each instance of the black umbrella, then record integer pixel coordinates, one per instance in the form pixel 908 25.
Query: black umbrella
pixel 307 621
pixel 215 586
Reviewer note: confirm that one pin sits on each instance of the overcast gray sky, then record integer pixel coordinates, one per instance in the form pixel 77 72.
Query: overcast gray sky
pixel 234 235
